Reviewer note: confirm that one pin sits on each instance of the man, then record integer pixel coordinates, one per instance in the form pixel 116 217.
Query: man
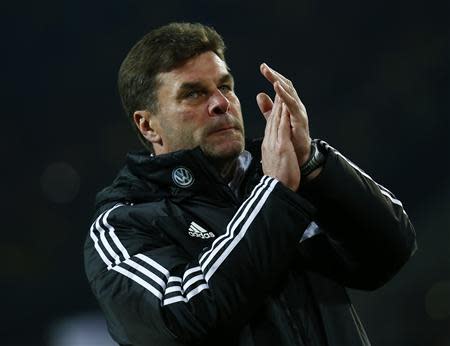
pixel 207 240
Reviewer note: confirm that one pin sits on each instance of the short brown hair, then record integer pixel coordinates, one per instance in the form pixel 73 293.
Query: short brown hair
pixel 161 50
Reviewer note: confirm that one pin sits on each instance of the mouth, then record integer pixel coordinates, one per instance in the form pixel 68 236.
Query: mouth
pixel 228 128
pixel 224 129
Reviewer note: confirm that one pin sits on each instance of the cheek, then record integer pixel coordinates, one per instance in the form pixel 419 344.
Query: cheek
pixel 235 104
pixel 190 118
pixel 190 126
pixel 179 121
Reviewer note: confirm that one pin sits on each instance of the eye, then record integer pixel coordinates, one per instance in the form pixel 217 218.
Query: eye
pixel 225 88
pixel 194 94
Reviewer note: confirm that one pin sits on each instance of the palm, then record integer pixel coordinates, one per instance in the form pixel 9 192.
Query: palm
pixel 298 122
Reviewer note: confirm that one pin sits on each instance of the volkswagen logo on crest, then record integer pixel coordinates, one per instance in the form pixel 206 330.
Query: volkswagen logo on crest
pixel 182 177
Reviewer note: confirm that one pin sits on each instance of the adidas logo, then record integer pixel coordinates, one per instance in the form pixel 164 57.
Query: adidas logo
pixel 198 231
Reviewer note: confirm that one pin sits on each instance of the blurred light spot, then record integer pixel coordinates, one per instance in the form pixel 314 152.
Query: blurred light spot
pixel 60 182
pixel 437 300
pixel 83 330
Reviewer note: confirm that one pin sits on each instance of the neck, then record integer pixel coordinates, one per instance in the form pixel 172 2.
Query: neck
pixel 225 168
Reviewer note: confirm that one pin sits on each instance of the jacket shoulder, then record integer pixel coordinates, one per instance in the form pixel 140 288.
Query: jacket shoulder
pixel 121 230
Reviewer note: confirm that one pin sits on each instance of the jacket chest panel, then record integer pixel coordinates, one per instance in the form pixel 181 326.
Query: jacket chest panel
pixel 198 225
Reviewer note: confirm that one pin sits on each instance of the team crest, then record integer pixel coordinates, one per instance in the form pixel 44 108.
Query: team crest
pixel 182 177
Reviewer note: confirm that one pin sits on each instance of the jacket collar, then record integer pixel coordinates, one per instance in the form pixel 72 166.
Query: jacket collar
pixel 183 169
pixel 179 174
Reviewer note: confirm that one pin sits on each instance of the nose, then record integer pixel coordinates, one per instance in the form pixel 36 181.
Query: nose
pixel 218 104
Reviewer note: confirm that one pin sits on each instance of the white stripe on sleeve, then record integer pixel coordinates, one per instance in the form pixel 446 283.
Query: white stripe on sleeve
pixel 228 241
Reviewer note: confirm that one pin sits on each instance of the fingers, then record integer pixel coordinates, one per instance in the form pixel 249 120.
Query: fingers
pixel 276 116
pixel 290 101
pixel 270 125
pixel 279 128
pixel 287 127
pixel 284 130
pixel 285 88
pixel 273 75
pixel 265 104
pixel 279 159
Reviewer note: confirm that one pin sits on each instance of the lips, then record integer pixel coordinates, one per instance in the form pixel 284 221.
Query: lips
pixel 223 129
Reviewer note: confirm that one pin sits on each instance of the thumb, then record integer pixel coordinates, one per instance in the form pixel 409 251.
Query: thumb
pixel 265 104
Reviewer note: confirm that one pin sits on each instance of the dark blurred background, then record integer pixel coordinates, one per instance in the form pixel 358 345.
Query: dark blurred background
pixel 374 76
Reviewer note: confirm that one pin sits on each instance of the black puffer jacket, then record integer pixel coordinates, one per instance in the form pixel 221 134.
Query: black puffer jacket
pixel 175 258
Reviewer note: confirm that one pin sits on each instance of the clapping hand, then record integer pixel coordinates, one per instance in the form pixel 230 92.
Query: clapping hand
pixel 297 115
pixel 279 159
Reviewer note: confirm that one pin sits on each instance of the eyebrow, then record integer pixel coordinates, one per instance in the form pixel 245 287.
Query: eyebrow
pixel 187 86
pixel 228 77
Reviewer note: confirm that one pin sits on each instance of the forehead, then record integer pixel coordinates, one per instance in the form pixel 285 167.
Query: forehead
pixel 206 67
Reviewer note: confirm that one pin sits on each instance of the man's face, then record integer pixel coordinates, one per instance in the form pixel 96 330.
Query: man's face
pixel 198 107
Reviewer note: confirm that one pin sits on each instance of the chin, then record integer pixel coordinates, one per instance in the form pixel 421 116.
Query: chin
pixel 224 151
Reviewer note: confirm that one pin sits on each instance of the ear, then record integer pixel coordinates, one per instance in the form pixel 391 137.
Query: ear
pixel 148 126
